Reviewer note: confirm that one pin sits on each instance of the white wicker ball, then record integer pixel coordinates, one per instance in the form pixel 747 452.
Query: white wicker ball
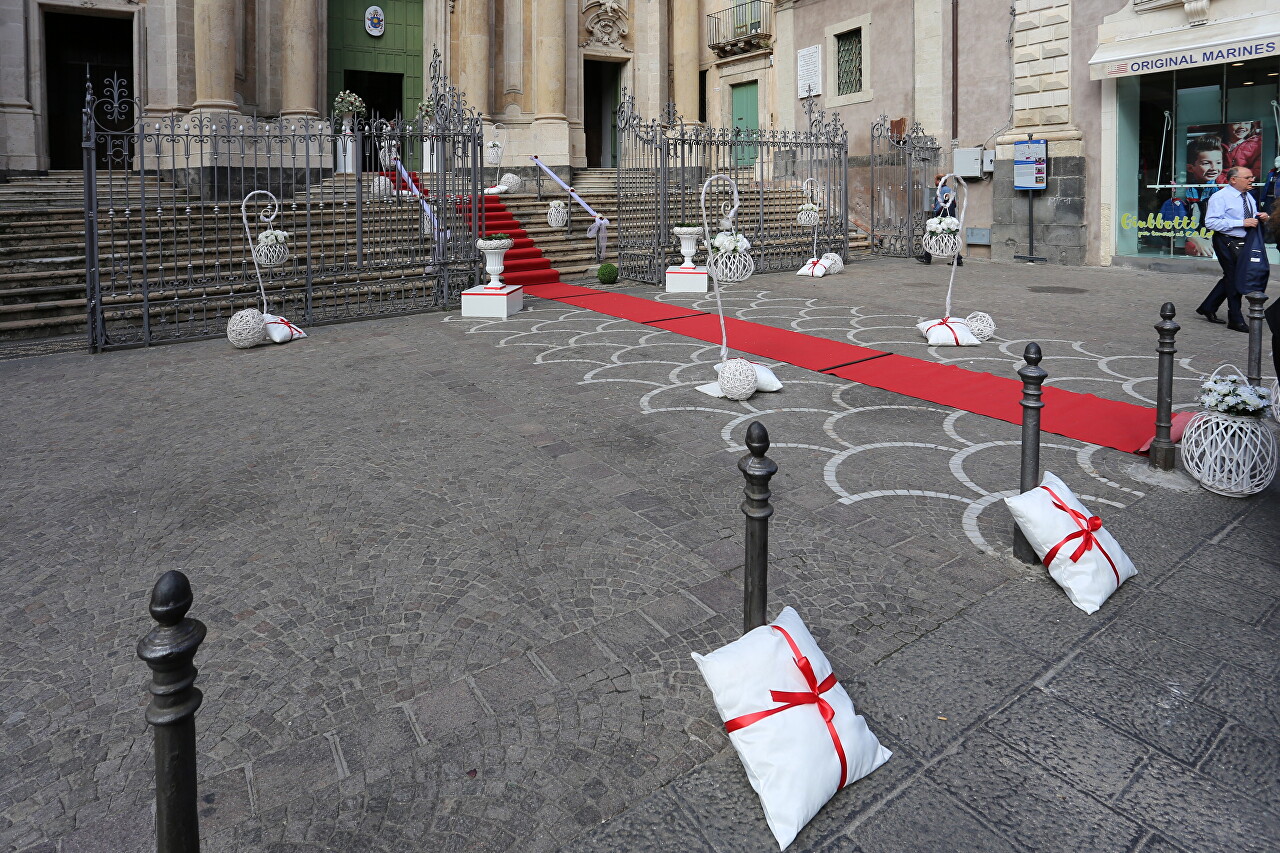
pixel 511 182
pixel 981 324
pixel 247 328
pixel 834 263
pixel 738 378
pixel 941 245
pixel 1231 455
pixel 731 267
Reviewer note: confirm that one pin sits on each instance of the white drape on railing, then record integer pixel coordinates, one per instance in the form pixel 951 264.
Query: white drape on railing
pixel 599 227
pixel 426 206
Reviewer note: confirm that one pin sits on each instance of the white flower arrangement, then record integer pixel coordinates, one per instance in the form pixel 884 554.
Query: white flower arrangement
pixel 424 110
pixel 808 205
pixel 727 242
pixel 1233 395
pixel 943 225
pixel 273 238
pixel 348 103
pixel 556 204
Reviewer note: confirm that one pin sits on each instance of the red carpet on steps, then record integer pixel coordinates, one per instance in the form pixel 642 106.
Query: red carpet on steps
pixel 1110 423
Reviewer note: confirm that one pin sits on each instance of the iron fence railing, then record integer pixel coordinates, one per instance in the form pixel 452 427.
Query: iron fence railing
pixel 741 28
pixel 166 254
pixel 903 163
pixel 664 162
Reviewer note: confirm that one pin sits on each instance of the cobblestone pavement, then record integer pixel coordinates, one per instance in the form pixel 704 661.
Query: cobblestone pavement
pixel 453 570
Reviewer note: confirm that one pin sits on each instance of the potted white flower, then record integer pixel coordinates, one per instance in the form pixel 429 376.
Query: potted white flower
pixel 272 248
pixel 942 236
pixel 494 247
pixel 687 233
pixel 808 215
pixel 1226 446
pixel 346 106
pixel 728 254
pixel 557 213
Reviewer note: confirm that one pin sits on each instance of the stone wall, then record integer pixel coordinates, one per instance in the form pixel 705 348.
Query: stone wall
pixel 1058 211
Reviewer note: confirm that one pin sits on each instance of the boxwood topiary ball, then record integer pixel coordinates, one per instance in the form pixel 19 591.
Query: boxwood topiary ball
pixel 607 274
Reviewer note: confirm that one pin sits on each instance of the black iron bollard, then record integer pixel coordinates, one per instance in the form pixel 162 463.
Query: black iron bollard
pixel 1033 377
pixel 758 469
pixel 169 649
pixel 1257 318
pixel 1162 447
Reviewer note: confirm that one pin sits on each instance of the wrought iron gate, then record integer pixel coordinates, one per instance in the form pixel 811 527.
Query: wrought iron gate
pixel 903 163
pixel 663 163
pixel 166 256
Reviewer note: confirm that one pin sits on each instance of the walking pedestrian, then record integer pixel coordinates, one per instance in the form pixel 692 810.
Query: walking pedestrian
pixel 1231 211
pixel 945 207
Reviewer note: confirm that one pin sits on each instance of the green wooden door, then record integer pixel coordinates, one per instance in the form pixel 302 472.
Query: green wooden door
pixel 746 116
pixel 397 51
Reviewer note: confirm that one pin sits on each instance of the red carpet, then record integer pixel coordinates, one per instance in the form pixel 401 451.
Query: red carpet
pixel 1110 423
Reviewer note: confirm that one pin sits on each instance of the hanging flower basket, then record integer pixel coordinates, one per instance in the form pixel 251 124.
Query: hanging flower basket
pixel 941 244
pixel 557 214
pixel 272 249
pixel 493 154
pixel 1228 448
pixel 808 215
pixel 729 257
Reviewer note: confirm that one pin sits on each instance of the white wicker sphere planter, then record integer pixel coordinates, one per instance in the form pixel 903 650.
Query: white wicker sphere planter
pixel 981 324
pixel 557 217
pixel 738 379
pixel 941 245
pixel 731 267
pixel 270 254
pixel 834 263
pixel 1232 455
pixel 493 155
pixel 511 182
pixel 807 218
pixel 247 328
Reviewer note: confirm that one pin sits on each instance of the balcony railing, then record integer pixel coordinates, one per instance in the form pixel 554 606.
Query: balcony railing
pixel 743 28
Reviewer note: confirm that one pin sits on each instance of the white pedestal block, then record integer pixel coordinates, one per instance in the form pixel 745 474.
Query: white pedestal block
pixel 686 279
pixel 483 302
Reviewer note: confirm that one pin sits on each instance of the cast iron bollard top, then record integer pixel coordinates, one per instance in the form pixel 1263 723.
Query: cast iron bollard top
pixel 169 649
pixel 1032 356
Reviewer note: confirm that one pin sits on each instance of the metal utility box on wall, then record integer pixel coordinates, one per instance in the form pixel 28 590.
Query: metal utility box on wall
pixel 967 162
pixel 988 160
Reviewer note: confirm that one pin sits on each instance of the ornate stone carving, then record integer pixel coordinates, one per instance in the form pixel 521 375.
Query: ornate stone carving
pixel 1197 11
pixel 606 24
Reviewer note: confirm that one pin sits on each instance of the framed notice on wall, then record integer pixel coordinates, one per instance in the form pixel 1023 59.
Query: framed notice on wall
pixel 809 71
pixel 1030 164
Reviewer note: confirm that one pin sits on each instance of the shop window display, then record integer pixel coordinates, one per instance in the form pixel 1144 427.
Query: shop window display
pixel 1178 134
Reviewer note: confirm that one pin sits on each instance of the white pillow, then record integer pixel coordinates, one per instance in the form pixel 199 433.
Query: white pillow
pixel 795 758
pixel 765 380
pixel 948 332
pixel 280 330
pixel 1085 560
pixel 814 268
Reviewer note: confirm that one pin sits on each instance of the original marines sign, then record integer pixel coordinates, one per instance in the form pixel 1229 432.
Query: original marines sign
pixel 1102 67
pixel 375 23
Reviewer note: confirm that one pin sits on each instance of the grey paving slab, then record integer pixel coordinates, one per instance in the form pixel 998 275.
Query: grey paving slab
pixel 453 572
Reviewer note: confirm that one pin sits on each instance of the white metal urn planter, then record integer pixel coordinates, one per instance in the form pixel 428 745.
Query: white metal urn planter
pixel 688 236
pixel 494 248
pixel 557 214
pixel 1228 448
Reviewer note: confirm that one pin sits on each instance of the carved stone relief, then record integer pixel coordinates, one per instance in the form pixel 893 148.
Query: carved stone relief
pixel 605 23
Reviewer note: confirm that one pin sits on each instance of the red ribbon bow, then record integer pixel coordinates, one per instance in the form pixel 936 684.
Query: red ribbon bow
pixel 294 331
pixel 1088 524
pixel 794 700
pixel 946 324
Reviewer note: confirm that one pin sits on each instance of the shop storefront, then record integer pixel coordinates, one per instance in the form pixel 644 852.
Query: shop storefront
pixel 1184 107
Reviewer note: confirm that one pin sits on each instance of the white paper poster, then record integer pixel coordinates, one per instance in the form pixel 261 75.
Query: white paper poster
pixel 809 71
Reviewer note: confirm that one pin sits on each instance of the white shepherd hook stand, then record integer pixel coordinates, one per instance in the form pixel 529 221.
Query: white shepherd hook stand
pixel 948 330
pixel 251 327
pixel 738 379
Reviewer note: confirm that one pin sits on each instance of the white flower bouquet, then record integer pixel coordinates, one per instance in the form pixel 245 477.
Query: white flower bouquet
pixel 808 205
pixel 943 225
pixel 273 238
pixel 348 103
pixel 1233 395
pixel 727 242
pixel 556 204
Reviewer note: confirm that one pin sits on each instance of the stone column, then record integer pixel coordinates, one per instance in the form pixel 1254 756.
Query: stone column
pixel 215 46
pixel 474 62
pixel 550 121
pixel 299 85
pixel 686 49
pixel 17 117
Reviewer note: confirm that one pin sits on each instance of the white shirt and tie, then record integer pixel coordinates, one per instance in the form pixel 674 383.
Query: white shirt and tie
pixel 1228 209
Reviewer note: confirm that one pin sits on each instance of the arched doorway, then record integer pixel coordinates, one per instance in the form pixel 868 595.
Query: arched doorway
pixel 74 45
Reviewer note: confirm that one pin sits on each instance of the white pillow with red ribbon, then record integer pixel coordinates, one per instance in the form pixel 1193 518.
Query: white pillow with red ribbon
pixel 948 332
pixel 791 722
pixel 814 267
pixel 1085 560
pixel 280 330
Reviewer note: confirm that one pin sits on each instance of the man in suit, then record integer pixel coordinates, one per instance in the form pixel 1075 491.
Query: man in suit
pixel 1230 212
